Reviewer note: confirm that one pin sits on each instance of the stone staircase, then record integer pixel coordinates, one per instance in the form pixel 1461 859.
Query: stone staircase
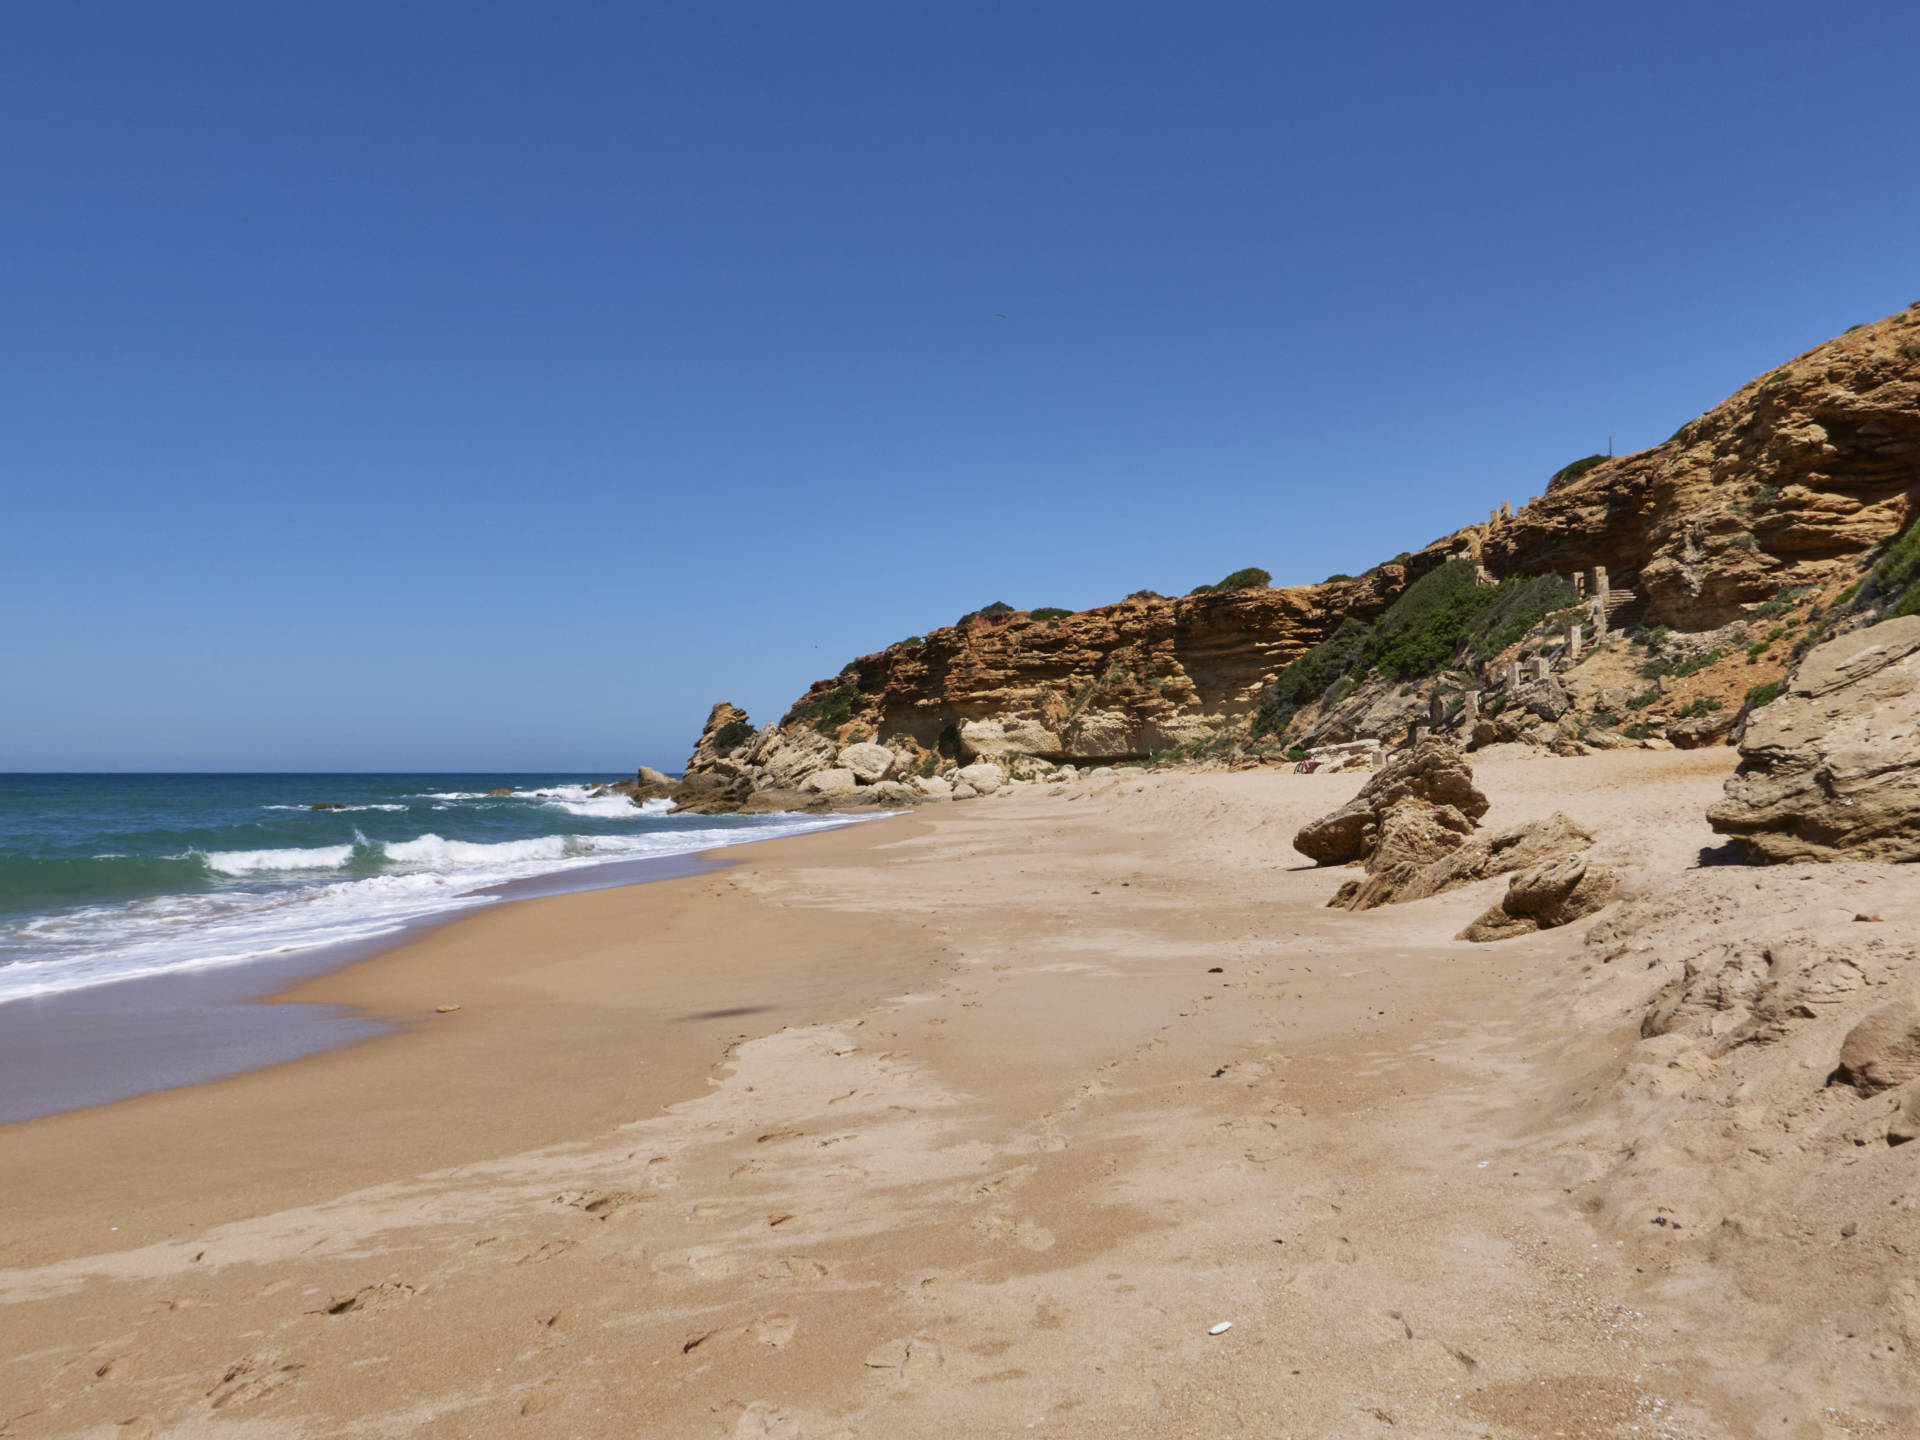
pixel 1625 609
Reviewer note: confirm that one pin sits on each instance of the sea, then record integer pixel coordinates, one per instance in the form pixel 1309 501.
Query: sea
pixel 111 878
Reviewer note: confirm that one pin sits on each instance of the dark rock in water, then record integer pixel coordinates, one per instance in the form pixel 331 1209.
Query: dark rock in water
pixel 327 805
pixel 711 794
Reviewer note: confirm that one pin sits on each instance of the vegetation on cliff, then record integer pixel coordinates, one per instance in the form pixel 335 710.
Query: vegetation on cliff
pixel 1445 620
pixel 1894 586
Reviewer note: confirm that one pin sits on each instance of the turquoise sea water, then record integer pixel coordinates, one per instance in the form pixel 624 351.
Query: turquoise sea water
pixel 110 877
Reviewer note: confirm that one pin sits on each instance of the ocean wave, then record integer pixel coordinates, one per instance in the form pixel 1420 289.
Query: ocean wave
pixel 436 853
pixel 227 907
pixel 337 809
pixel 254 862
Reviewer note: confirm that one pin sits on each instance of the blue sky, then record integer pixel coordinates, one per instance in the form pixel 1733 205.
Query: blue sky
pixel 419 385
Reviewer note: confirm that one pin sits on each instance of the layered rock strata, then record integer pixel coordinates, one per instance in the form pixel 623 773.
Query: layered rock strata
pixel 1831 769
pixel 1792 481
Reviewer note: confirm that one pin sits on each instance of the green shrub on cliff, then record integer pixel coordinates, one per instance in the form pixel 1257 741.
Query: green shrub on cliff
pixel 733 734
pixel 1576 469
pixel 1516 607
pixel 1251 578
pixel 1443 619
pixel 1894 585
pixel 828 711
pixel 1311 676
pixel 1430 621
pixel 1049 612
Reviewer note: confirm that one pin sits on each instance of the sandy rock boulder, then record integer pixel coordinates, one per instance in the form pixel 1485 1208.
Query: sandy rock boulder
pixel 981 778
pixel 892 792
pixel 1471 858
pixel 964 791
pixel 1831 770
pixel 1546 896
pixel 931 787
pixel 832 782
pixel 783 760
pixel 1007 735
pixel 1882 1052
pixel 1432 773
pixel 870 763
pixel 1702 730
pixel 1416 834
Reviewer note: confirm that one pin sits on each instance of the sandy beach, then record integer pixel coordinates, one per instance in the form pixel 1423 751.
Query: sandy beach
pixel 978 1122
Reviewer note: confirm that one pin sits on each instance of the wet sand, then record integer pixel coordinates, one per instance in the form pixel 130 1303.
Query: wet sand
pixel 79 1048
pixel 968 1123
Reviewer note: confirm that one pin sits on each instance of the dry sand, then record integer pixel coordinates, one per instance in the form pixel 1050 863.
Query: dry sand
pixel 975 1122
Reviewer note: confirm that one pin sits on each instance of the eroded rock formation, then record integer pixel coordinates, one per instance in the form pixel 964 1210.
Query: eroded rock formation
pixel 1831 769
pixel 1430 782
pixel 1790 481
pixel 1413 826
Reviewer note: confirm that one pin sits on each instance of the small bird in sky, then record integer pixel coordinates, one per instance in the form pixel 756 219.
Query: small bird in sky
pixel 998 316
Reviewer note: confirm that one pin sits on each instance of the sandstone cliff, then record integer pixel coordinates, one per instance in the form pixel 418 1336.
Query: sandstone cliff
pixel 1787 487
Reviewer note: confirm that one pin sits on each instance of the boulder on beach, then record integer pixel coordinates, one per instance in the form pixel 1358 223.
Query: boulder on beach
pixel 870 763
pixel 982 778
pixel 1831 769
pixel 1882 1051
pixel 832 782
pixel 1432 773
pixel 1544 896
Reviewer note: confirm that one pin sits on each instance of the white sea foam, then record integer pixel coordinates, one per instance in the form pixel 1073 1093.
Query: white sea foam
pixel 283 901
pixel 336 809
pixel 437 854
pixel 253 862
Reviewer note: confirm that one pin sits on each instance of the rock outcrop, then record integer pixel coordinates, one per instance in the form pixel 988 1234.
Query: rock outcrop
pixel 1831 769
pixel 1801 471
pixel 1555 892
pixel 1790 482
pixel 1431 776
pixel 1413 826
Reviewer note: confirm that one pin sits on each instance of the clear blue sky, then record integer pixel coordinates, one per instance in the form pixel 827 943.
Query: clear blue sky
pixel 435 385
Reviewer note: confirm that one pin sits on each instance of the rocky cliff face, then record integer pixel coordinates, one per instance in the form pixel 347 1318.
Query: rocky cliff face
pixel 1792 481
pixel 1116 682
pixel 1797 475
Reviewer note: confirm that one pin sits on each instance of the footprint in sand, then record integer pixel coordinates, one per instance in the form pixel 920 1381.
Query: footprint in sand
pixel 775 1330
pixel 552 1250
pixel 119 1367
pixel 1003 1184
pixel 367 1298
pixel 761 1421
pixel 793 1267
pixel 907 1359
pixel 601 1204
pixel 251 1380
pixel 542 1397
pixel 1025 1233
